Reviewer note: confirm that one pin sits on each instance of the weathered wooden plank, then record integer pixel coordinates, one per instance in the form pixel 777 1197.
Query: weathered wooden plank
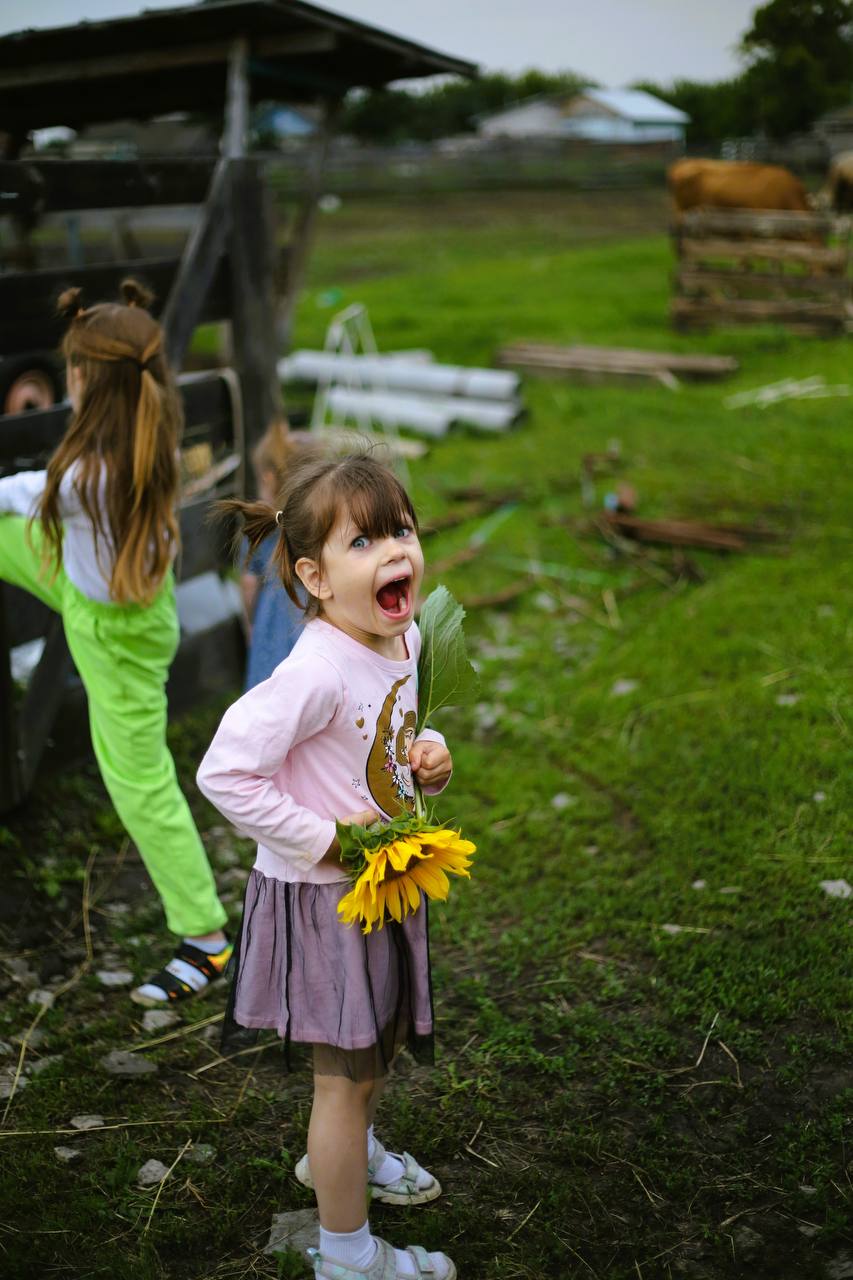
pixel 26 437
pixel 235 135
pixel 791 252
pixel 190 293
pixel 759 223
pixel 743 284
pixel 251 257
pixel 28 319
pixel 167 59
pixel 613 360
pixel 675 533
pixel 797 316
pixel 35 187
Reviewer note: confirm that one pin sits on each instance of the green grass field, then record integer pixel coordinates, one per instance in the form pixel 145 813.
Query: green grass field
pixel 643 995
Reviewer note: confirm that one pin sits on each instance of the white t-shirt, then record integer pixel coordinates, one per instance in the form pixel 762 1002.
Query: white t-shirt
pixel 20 495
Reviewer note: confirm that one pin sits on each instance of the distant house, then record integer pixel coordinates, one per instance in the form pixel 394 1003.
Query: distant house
pixel 595 115
pixel 275 125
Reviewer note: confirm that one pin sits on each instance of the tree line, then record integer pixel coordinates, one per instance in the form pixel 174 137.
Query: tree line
pixel 798 64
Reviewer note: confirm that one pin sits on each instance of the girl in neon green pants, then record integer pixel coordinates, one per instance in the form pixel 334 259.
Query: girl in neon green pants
pixel 94 537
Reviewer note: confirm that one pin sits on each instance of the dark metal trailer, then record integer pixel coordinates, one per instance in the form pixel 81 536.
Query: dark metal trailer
pixel 209 58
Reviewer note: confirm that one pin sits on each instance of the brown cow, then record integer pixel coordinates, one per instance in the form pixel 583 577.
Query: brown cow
pixel 734 184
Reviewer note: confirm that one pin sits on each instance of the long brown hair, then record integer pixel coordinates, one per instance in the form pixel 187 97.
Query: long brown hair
pixel 122 441
pixel 314 492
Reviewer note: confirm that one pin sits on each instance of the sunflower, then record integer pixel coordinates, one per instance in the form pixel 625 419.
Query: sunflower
pixel 394 875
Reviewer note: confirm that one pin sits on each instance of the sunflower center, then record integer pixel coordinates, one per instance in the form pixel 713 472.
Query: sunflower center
pixel 392 874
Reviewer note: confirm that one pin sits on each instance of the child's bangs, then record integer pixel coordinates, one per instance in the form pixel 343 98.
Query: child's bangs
pixel 377 503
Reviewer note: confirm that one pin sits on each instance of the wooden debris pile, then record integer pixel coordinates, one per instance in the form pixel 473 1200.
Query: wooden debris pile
pixel 597 364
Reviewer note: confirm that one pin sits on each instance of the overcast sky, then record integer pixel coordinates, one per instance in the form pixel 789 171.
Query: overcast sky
pixel 611 41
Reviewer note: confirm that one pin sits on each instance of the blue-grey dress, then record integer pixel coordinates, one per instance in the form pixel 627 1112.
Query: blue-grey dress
pixel 276 623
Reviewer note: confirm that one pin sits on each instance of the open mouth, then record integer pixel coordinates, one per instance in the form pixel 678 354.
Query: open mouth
pixel 394 598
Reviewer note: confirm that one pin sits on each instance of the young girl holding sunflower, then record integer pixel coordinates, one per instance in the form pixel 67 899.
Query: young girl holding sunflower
pixel 329 737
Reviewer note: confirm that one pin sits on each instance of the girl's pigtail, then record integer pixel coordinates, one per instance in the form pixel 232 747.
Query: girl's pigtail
pixel 134 294
pixel 149 417
pixel 255 521
pixel 69 304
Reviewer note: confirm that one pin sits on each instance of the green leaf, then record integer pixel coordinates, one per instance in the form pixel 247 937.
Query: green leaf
pixel 445 676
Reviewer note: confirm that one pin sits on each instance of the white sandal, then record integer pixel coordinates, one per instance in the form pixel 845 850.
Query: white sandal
pixel 404 1191
pixel 383 1266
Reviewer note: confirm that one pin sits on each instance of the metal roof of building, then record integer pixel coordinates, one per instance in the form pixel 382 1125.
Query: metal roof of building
pixel 167 60
pixel 637 105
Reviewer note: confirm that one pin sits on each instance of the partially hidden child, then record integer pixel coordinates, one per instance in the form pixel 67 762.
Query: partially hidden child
pixel 272 620
pixel 328 737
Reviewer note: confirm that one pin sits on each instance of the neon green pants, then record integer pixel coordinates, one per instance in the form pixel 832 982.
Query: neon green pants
pixel 123 654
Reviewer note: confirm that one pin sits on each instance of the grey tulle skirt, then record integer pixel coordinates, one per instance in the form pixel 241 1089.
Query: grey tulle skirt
pixel 343 1003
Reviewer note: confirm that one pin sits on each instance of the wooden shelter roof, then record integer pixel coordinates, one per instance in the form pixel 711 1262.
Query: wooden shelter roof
pixel 176 60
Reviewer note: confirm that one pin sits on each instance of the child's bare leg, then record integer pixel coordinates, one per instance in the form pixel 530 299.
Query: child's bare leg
pixel 337 1150
pixel 337 1154
pixel 375 1098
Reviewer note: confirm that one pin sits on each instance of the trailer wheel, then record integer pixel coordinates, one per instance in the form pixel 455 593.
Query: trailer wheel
pixel 28 382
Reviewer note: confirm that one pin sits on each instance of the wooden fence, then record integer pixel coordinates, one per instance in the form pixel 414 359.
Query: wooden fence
pixel 751 267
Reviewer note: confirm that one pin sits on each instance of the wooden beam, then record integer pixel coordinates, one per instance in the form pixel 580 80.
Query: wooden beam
pixel 36 187
pixel 235 138
pixel 200 261
pixel 798 315
pixel 26 438
pixel 758 224
pixel 145 62
pixel 744 284
pixel 693 249
pixel 542 356
pixel 28 319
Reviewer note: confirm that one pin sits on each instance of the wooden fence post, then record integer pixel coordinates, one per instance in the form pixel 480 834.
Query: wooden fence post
pixel 201 257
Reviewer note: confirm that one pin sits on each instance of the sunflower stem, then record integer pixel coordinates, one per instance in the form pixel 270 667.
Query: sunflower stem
pixel 420 803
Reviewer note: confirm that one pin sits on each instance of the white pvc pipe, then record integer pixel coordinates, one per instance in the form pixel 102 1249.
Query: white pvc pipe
pixel 406 411
pixel 399 373
pixel 432 415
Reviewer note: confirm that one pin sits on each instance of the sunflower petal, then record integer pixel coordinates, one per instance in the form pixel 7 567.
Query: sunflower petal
pixel 431 879
pixel 411 889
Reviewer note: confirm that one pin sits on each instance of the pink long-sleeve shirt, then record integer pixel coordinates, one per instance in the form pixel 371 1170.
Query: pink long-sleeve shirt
pixel 326 735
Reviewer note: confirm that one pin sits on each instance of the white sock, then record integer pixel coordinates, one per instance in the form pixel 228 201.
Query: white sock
pixel 209 948
pixel 391 1168
pixel 351 1248
pixel 185 972
pixel 358 1249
